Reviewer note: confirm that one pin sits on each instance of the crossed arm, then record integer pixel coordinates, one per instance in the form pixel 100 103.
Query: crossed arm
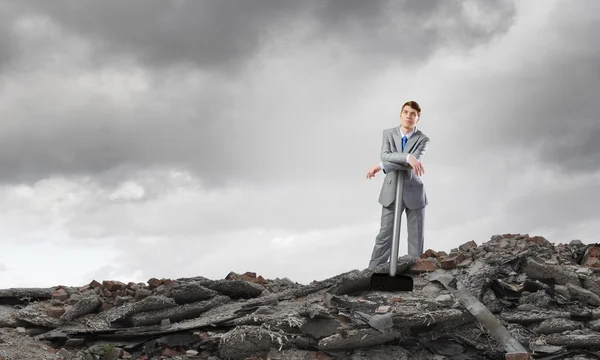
pixel 392 161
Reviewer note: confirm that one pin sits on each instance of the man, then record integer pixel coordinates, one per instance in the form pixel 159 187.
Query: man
pixel 402 149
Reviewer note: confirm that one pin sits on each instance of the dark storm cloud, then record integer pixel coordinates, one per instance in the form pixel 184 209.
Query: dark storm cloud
pixel 195 126
pixel 549 105
pixel 217 34
pixel 7 38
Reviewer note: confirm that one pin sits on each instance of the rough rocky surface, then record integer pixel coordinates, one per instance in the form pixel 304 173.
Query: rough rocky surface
pixel 543 297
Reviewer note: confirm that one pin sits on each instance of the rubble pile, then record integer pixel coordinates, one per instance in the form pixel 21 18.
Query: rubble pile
pixel 512 297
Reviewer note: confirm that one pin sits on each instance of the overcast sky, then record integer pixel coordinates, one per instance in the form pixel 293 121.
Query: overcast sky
pixel 159 138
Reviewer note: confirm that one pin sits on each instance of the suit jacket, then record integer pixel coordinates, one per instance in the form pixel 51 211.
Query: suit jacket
pixel 393 159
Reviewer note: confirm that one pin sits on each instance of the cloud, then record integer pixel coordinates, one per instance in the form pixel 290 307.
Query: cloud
pixel 543 100
pixel 206 86
pixel 217 35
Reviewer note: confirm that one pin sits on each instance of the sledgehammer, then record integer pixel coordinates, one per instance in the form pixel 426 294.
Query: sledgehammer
pixel 391 281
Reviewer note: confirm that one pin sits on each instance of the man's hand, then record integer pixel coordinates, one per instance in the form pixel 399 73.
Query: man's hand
pixel 416 165
pixel 372 171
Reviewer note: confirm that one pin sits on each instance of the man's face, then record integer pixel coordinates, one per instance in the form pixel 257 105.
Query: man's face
pixel 408 117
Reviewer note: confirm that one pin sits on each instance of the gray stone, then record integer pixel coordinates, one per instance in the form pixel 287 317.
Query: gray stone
pixel 176 314
pixel 365 337
pixel 8 317
pixel 561 275
pixel 594 325
pixel 531 317
pixel 35 314
pixel 113 353
pixel 235 289
pixel 86 305
pixel 381 352
pixel 184 293
pixel 142 293
pixel 75 297
pixel 551 326
pixel 245 341
pixel 526 307
pixel 571 340
pixel 64 354
pixel 154 302
pixel 562 291
pixel 319 327
pixel 583 295
pixel 445 300
pixel 24 295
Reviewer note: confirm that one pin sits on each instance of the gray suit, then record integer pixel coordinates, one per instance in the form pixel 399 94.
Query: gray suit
pixel 413 195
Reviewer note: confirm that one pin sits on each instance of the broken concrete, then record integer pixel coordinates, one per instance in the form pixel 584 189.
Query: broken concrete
pixel 546 298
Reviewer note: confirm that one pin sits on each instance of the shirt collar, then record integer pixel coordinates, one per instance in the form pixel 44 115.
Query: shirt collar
pixel 409 134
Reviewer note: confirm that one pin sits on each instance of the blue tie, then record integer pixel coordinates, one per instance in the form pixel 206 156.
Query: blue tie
pixel 404 139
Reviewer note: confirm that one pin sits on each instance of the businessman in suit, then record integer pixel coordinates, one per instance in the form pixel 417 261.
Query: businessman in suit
pixel 402 149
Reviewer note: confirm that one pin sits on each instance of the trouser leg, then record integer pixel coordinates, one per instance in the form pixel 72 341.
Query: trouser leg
pixel 415 220
pixel 383 241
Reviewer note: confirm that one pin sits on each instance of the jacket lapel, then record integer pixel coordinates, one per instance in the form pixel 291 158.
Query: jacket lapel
pixel 410 144
pixel 398 139
pixel 412 141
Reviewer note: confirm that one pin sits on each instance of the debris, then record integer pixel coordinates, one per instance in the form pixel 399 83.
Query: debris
pixel 513 297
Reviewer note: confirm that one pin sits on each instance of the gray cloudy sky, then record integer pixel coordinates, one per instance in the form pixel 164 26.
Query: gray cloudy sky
pixel 183 138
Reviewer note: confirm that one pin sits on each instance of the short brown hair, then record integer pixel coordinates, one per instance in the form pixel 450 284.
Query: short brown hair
pixel 412 104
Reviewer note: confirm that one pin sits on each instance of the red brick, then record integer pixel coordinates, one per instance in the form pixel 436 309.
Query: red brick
pixel 429 253
pixel 113 285
pixel 60 294
pixel 518 356
pixel 423 265
pixel 321 356
pixel 468 245
pixel 95 285
pixel 154 282
pixel 169 352
pixel 590 257
pixel 540 240
pixel 55 311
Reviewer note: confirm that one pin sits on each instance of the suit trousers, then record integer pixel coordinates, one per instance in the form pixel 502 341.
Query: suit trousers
pixel 383 242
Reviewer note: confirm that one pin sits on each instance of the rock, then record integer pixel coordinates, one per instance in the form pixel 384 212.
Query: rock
pixel 583 295
pixel 176 314
pixel 60 295
pixel 190 292
pixel 87 305
pixel 531 317
pixel 366 337
pixel 545 296
pixel 8 317
pixel 235 289
pixel 561 275
pixel 467 246
pixel 423 266
pixel 55 311
pixel 551 326
pixel 320 327
pixel 451 262
pixel 574 340
pixel 245 341
pixel 445 300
